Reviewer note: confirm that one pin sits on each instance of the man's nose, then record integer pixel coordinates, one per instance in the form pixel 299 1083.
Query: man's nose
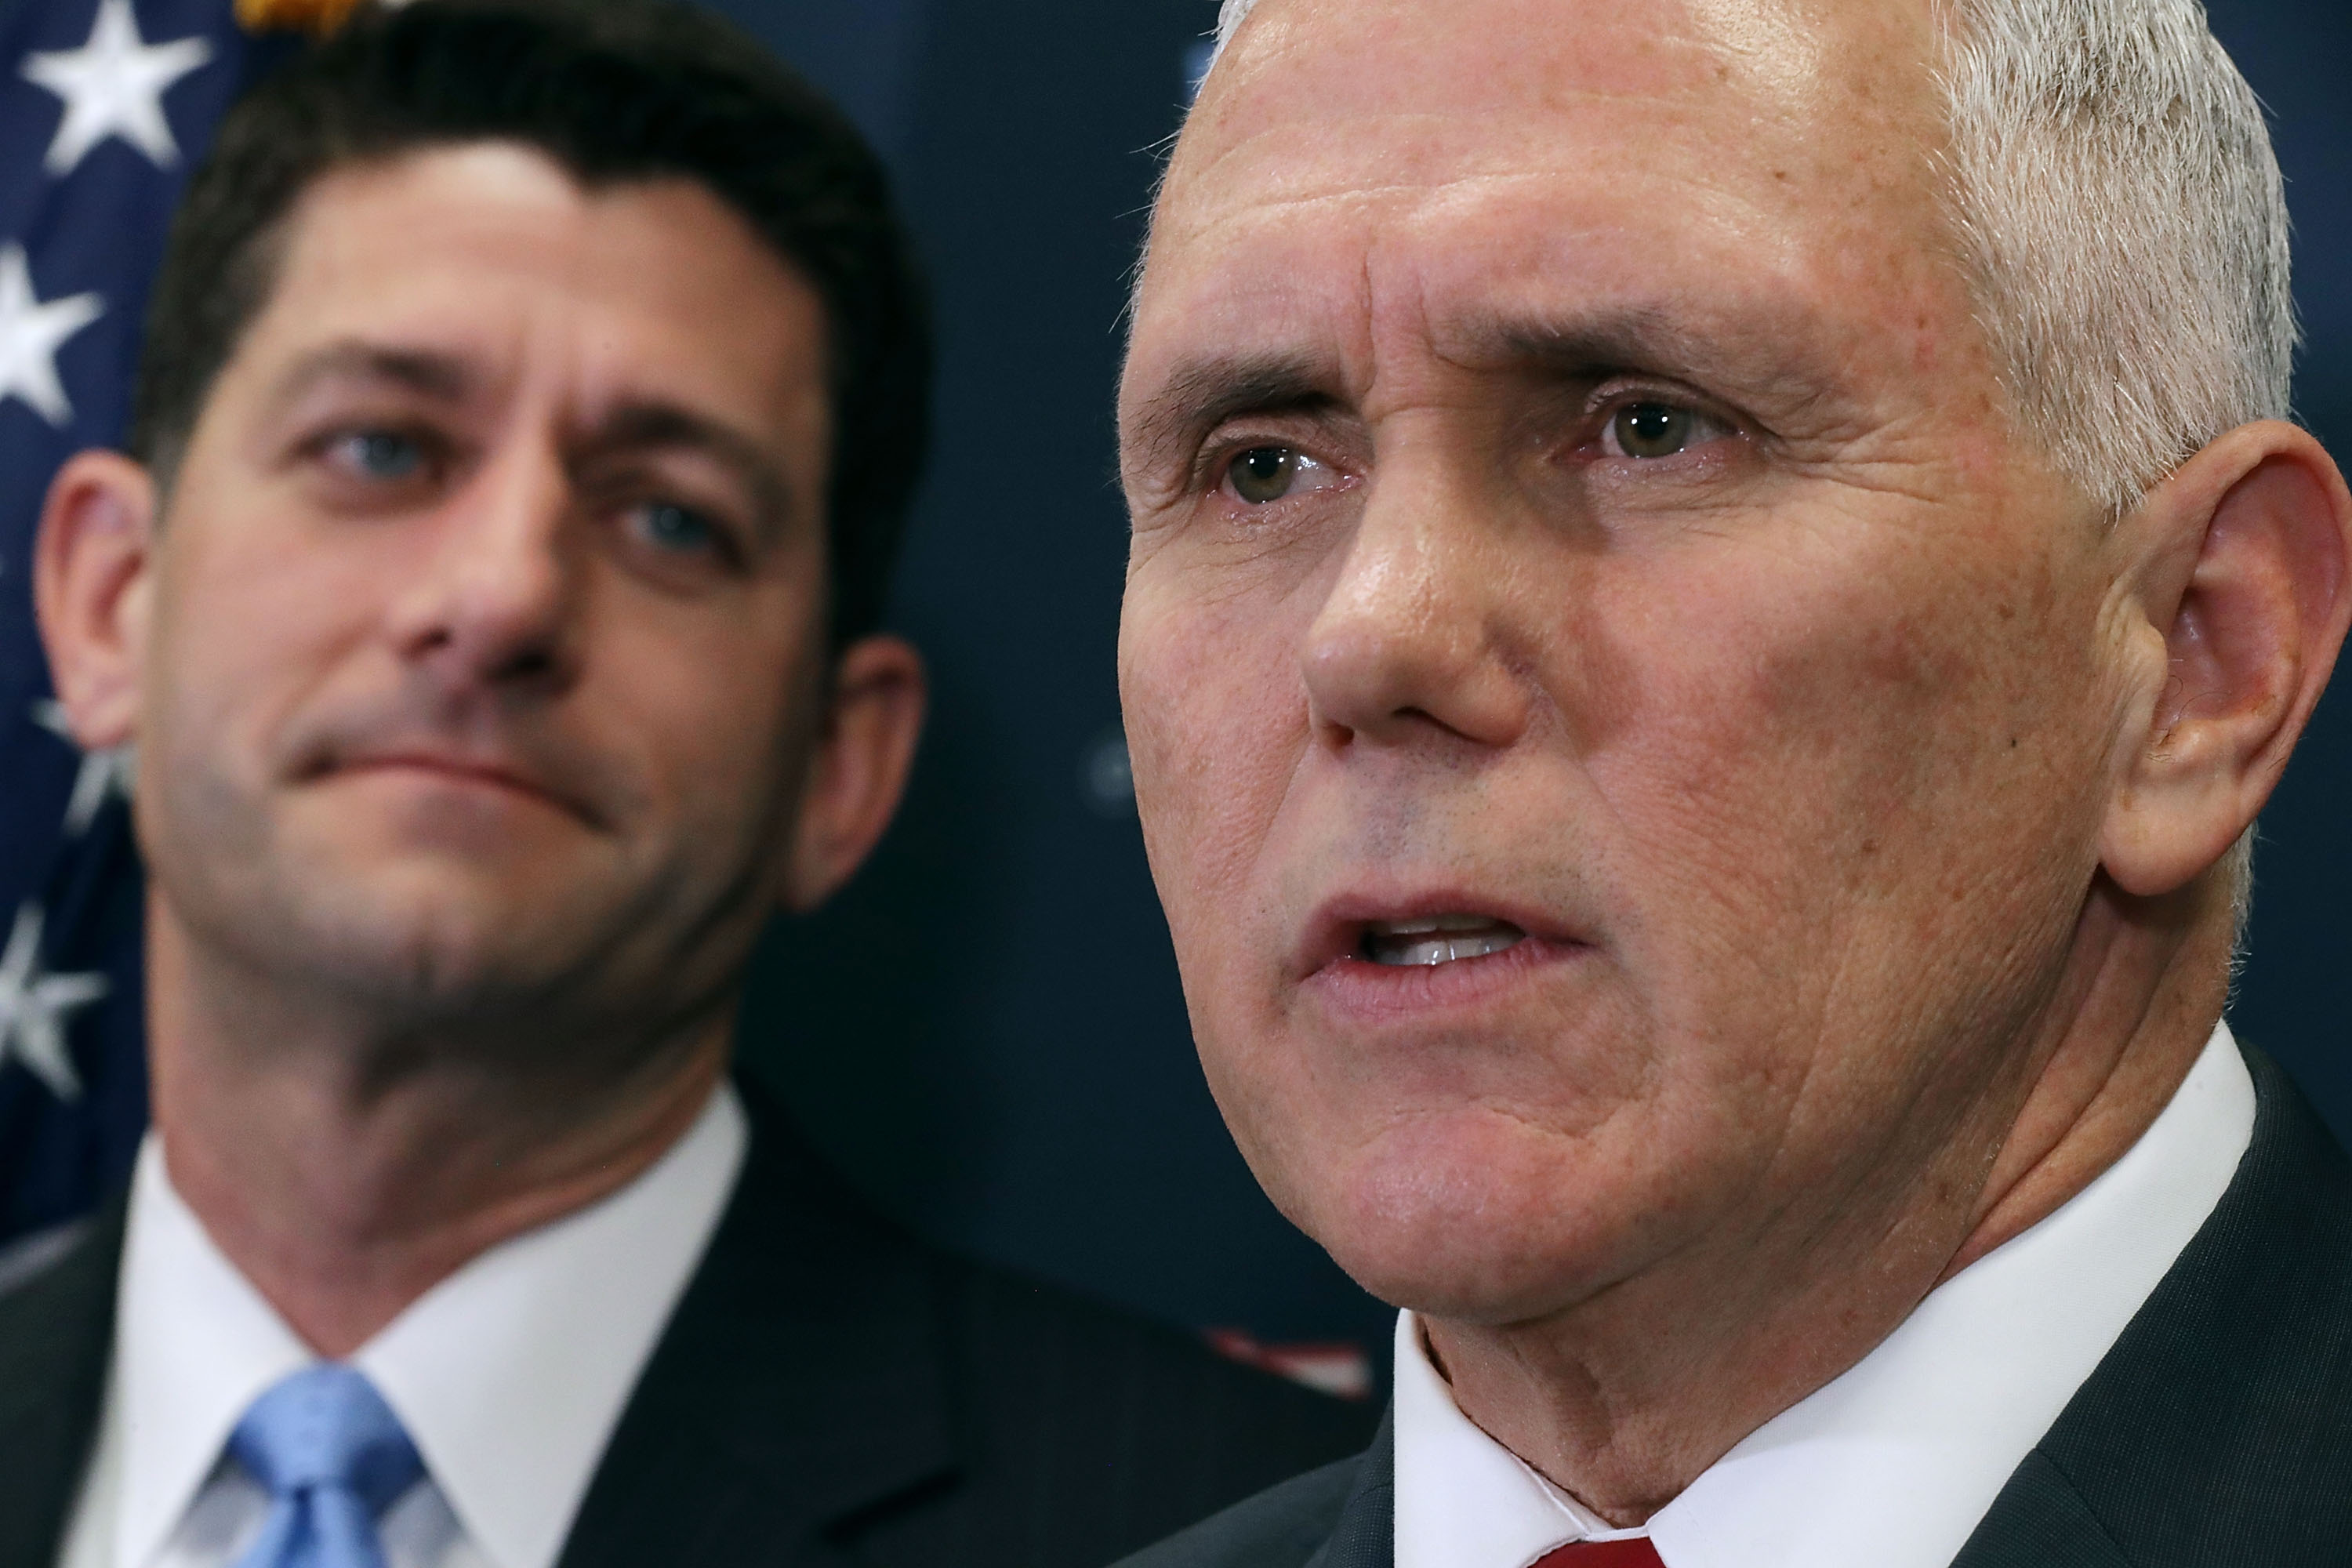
pixel 496 604
pixel 1411 641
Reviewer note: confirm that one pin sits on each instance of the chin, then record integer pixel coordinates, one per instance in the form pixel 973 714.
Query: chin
pixel 425 967
pixel 1476 1218
pixel 426 950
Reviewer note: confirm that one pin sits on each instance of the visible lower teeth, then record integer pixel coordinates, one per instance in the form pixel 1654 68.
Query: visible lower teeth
pixel 1440 947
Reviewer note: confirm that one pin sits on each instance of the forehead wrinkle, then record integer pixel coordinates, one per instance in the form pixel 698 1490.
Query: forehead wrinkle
pixel 1412 211
pixel 1787 64
pixel 1276 42
pixel 1450 139
pixel 1531 307
pixel 1806 73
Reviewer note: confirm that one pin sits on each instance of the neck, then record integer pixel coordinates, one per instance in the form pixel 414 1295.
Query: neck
pixel 346 1170
pixel 1625 1397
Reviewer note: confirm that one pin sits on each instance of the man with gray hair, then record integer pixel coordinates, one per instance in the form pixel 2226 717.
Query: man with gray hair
pixel 1717 590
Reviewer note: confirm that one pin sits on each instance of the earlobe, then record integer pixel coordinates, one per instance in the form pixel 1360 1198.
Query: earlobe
pixel 859 770
pixel 91 590
pixel 2247 558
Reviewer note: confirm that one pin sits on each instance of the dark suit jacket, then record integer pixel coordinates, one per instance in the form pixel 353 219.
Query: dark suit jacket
pixel 2217 1433
pixel 828 1392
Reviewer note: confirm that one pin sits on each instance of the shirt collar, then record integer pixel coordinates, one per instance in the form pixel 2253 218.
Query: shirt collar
pixel 510 1376
pixel 1463 1500
pixel 1893 1463
pixel 194 1345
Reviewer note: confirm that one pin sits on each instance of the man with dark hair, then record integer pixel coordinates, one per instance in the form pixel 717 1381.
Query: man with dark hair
pixel 533 397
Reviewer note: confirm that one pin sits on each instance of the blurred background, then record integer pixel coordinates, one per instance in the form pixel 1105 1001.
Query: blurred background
pixel 986 1030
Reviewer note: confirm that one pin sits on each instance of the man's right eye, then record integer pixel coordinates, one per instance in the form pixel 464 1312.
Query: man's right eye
pixel 1267 474
pixel 386 455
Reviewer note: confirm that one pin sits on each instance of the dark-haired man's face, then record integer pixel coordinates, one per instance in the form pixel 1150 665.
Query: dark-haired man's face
pixel 480 656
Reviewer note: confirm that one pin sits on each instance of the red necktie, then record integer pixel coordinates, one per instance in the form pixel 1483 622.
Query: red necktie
pixel 1636 1553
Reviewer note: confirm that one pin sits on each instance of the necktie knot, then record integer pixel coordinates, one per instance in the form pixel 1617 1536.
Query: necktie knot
pixel 334 1456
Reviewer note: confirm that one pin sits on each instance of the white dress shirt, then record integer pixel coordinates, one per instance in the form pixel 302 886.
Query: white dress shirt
pixel 508 1375
pixel 1895 1463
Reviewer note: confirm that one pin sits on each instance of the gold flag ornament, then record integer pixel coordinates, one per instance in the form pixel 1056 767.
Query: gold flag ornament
pixel 317 18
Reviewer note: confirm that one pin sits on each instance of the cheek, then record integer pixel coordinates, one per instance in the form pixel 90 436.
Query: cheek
pixel 244 636
pixel 1215 720
pixel 717 718
pixel 1869 757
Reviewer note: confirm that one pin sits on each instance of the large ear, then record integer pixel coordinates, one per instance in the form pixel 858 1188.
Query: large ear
pixel 859 770
pixel 2245 576
pixel 91 591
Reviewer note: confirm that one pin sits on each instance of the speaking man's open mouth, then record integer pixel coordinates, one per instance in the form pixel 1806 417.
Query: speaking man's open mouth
pixel 1437 939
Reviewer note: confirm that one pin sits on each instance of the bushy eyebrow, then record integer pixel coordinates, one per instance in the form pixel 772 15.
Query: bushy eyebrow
pixel 1642 341
pixel 1202 394
pixel 655 425
pixel 443 377
pixel 1771 365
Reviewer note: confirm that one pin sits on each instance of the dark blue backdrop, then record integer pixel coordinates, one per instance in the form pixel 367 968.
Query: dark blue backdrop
pixel 987 1028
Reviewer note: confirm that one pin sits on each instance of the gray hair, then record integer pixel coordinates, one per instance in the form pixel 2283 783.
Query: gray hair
pixel 2123 226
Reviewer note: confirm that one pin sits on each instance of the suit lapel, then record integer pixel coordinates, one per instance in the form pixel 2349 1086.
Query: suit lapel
pixel 55 1333
pixel 1365 1535
pixel 2040 1519
pixel 2219 1430
pixel 801 1382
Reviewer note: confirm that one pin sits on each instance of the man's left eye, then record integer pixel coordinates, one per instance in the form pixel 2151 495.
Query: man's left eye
pixel 670 527
pixel 1263 475
pixel 383 455
pixel 1651 429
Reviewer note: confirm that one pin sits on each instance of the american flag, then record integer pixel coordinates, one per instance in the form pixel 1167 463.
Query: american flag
pixel 103 104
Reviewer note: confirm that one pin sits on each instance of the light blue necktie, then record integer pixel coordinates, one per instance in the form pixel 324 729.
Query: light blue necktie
pixel 334 1456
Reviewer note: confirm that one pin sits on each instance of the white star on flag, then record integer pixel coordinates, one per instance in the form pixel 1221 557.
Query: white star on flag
pixel 114 86
pixel 34 1007
pixel 104 774
pixel 30 335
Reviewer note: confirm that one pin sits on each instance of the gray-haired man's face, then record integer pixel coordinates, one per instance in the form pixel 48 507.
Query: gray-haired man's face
pixel 1605 801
